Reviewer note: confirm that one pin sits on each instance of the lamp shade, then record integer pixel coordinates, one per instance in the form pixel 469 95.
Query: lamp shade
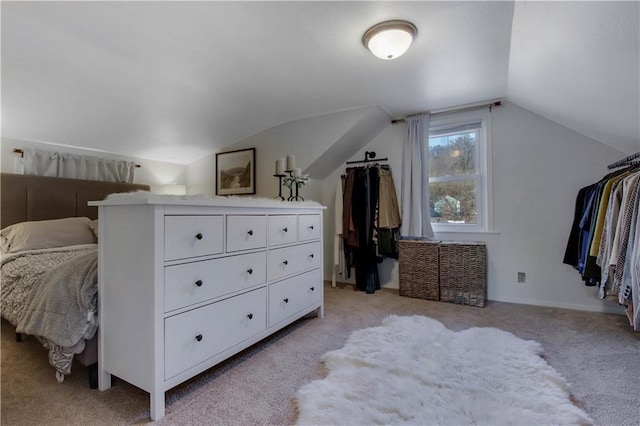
pixel 169 189
pixel 390 39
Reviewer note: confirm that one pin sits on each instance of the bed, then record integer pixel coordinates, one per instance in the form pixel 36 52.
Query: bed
pixel 59 204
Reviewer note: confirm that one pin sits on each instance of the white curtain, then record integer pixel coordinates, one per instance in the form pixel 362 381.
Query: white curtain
pixel 416 214
pixel 48 163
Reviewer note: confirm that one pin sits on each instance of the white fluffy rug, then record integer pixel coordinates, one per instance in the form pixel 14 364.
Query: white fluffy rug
pixel 413 370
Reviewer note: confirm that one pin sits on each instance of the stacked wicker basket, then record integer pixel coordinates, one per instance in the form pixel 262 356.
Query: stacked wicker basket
pixel 449 271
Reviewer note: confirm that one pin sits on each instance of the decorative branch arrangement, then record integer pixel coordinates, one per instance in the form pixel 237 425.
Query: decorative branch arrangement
pixel 299 181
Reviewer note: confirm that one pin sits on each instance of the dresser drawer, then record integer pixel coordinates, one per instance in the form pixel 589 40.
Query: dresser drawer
pixel 190 236
pixel 197 335
pixel 308 227
pixel 294 294
pixel 246 232
pixel 282 229
pixel 292 260
pixel 196 282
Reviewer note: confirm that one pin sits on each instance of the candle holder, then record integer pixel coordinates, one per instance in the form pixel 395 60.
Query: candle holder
pixel 291 180
pixel 279 187
pixel 290 187
pixel 297 197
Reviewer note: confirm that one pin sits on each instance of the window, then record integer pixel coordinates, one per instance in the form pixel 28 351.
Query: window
pixel 459 174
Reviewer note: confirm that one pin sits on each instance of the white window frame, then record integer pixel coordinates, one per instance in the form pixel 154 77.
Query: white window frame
pixel 483 176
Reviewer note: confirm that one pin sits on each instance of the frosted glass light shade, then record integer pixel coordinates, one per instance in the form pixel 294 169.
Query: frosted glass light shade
pixel 390 39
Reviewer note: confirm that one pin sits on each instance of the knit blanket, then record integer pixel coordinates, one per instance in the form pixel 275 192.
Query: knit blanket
pixel 62 306
pixel 52 294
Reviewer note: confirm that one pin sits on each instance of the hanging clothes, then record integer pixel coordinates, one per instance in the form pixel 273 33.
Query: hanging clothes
pixel 608 234
pixel 571 254
pixel 634 275
pixel 604 241
pixel 348 229
pixel 363 213
pixel 370 222
pixel 339 265
pixel 621 241
pixel 389 221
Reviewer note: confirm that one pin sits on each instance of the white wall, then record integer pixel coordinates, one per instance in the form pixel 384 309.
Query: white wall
pixel 538 168
pixel 201 176
pixel 306 139
pixel 149 173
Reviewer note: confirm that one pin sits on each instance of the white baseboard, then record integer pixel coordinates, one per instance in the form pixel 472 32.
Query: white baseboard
pixel 606 307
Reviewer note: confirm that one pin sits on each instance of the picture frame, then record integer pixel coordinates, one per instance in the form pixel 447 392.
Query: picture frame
pixel 236 172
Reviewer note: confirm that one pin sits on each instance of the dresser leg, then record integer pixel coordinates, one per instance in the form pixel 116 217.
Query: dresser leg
pixel 157 405
pixel 104 379
pixel 93 375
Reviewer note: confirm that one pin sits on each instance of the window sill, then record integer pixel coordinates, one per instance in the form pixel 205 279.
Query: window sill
pixel 462 231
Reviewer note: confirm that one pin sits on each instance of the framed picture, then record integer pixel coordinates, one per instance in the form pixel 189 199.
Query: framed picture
pixel 236 172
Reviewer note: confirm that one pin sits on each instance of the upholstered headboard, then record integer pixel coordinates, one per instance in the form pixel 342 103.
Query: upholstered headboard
pixel 25 197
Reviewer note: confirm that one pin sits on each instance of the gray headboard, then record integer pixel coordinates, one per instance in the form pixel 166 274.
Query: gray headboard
pixel 26 197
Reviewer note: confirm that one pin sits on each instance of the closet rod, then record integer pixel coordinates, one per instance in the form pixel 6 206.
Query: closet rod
pixel 21 152
pixel 369 157
pixel 624 161
pixel 490 104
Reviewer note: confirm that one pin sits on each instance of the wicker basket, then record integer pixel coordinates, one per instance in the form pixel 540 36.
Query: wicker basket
pixel 463 273
pixel 419 269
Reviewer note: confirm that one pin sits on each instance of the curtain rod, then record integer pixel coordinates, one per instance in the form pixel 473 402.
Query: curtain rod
pixel 21 152
pixel 490 104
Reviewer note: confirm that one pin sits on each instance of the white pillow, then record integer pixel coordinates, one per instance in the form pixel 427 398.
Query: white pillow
pixel 44 234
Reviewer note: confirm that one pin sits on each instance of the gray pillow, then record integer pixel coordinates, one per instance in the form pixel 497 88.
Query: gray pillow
pixel 44 234
pixel 93 225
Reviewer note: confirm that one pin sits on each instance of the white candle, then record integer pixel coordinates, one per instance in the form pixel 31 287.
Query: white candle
pixel 280 166
pixel 297 172
pixel 291 162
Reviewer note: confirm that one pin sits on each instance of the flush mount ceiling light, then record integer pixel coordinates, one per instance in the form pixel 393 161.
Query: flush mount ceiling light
pixel 390 39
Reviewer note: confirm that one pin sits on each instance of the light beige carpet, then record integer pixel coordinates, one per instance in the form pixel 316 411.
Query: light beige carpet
pixel 597 353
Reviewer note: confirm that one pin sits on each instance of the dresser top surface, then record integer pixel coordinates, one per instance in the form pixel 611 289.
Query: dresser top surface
pixel 148 198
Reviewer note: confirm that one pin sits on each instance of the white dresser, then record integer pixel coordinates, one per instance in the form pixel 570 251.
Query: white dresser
pixel 184 285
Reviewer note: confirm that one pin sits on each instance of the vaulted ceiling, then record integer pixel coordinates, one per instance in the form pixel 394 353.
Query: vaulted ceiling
pixel 175 81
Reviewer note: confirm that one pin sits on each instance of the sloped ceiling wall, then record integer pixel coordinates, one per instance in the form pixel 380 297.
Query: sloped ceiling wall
pixel 577 63
pixel 177 81
pixel 364 130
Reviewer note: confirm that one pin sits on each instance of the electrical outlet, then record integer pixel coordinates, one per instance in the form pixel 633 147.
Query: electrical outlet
pixel 522 277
